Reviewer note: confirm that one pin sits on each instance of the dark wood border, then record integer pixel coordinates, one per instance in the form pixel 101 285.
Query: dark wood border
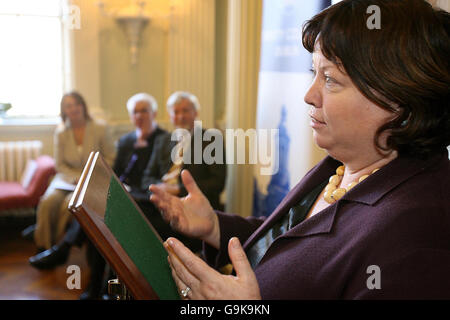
pixel 92 223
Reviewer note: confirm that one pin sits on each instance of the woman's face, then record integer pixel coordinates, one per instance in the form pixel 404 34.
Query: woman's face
pixel 344 121
pixel 73 110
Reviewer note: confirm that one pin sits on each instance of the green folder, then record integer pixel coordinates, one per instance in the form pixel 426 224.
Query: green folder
pixel 118 228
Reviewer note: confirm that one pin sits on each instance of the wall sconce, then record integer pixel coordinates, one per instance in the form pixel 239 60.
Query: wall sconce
pixel 3 108
pixel 133 20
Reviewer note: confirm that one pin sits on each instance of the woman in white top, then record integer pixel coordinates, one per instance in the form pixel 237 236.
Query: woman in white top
pixel 74 139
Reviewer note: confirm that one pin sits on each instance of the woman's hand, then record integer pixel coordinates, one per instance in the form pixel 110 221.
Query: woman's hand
pixel 191 215
pixel 172 189
pixel 189 271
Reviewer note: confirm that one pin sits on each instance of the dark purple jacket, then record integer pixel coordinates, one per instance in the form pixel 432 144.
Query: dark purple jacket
pixel 398 220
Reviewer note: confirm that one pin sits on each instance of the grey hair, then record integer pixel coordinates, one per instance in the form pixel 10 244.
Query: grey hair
pixel 131 103
pixel 178 96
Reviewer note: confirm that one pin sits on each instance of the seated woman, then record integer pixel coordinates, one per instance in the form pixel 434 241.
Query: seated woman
pixel 371 220
pixel 75 138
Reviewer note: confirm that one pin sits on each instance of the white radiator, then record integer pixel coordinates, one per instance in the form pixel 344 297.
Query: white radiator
pixel 14 156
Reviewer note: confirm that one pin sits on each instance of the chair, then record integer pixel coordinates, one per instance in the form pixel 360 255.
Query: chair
pixel 14 196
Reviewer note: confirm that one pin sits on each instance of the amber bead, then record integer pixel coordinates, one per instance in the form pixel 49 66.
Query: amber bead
pixel 338 193
pixel 363 177
pixel 335 179
pixel 340 170
pixel 328 197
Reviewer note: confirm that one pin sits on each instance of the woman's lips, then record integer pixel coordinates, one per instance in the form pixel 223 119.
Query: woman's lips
pixel 316 123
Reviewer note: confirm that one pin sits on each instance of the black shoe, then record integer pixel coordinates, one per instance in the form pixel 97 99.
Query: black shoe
pixel 28 233
pixel 51 258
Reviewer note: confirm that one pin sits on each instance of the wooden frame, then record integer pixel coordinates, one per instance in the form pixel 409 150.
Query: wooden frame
pixel 88 204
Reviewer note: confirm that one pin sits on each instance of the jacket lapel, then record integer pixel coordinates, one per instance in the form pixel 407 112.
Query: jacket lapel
pixel 368 192
pixel 321 222
pixel 314 177
pixel 389 177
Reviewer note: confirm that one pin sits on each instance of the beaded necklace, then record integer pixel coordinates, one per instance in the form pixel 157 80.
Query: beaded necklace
pixel 332 192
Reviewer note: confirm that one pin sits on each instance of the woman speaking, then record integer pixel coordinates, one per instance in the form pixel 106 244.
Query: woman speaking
pixel 371 220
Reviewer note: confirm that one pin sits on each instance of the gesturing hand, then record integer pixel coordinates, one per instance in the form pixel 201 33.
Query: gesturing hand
pixel 191 215
pixel 189 271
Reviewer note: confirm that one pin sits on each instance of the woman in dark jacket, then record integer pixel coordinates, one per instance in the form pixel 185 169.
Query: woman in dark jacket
pixel 372 220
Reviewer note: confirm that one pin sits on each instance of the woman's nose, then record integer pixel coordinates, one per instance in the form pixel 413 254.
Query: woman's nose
pixel 312 96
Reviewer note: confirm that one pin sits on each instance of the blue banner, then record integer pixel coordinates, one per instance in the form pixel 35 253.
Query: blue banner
pixel 283 80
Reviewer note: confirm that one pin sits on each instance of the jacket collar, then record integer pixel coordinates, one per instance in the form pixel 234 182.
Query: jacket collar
pixel 389 177
pixel 314 177
pixel 368 192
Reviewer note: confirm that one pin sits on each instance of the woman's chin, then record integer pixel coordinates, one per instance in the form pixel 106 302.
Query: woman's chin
pixel 321 141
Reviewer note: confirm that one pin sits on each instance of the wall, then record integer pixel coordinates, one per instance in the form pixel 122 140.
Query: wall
pixel 177 52
pixel 221 61
pixel 119 79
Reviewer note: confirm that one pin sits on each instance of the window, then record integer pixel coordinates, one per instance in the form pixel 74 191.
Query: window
pixel 31 57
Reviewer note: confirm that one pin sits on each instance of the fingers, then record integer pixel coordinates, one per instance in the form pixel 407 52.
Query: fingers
pixel 163 200
pixel 179 283
pixel 180 273
pixel 171 208
pixel 157 196
pixel 239 259
pixel 190 268
pixel 189 182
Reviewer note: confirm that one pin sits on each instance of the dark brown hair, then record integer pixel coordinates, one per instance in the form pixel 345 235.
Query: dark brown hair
pixel 79 100
pixel 403 66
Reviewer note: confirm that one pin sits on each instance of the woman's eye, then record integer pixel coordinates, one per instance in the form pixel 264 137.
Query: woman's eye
pixel 313 71
pixel 330 80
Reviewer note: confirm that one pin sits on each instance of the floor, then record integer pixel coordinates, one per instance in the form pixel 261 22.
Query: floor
pixel 20 281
